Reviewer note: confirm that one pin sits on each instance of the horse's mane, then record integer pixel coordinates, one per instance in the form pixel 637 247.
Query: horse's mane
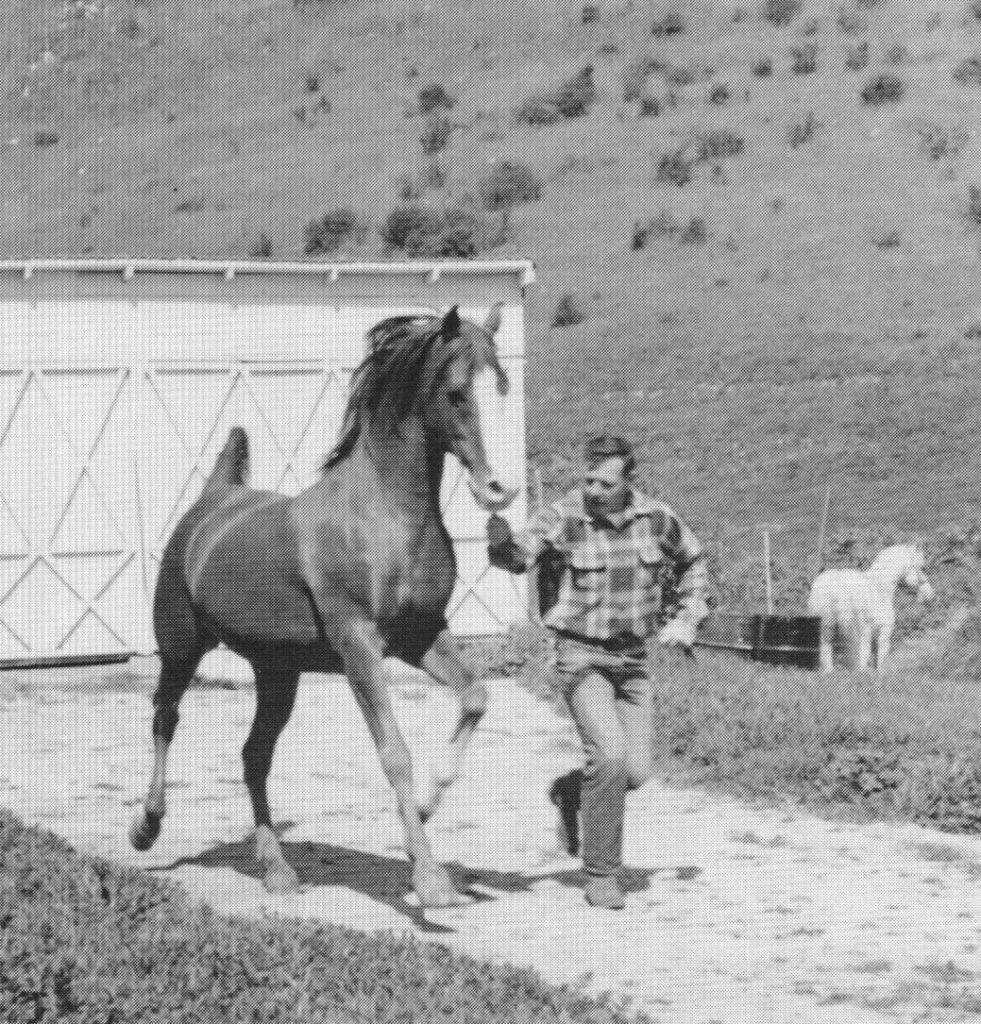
pixel 406 357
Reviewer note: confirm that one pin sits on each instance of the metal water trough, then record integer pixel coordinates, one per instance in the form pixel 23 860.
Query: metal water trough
pixel 772 639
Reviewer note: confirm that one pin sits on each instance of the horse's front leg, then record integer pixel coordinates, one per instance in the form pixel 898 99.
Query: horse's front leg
pixel 443 662
pixel 864 659
pixel 882 643
pixel 361 648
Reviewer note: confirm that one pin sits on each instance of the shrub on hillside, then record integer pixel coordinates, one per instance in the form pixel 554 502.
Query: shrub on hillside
pixel 675 169
pixel 780 12
pixel 804 59
pixel 434 97
pixel 850 22
pixel 762 67
pixel 261 248
pixel 717 144
pixel 968 72
pixel 664 225
pixel 590 14
pixel 858 58
pixel 436 134
pixel 573 98
pixel 671 24
pixel 509 184
pixel 883 88
pixel 802 132
pixel 456 232
pixel 636 74
pixel 974 204
pixel 567 312
pixel 328 233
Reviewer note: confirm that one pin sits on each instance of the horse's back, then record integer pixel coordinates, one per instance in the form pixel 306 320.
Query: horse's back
pixel 839 594
pixel 236 558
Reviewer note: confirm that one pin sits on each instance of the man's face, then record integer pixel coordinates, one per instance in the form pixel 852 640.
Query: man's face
pixel 606 487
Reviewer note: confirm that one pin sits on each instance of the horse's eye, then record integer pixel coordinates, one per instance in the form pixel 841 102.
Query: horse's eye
pixel 457 397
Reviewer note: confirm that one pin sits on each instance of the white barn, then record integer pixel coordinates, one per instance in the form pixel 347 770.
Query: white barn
pixel 119 381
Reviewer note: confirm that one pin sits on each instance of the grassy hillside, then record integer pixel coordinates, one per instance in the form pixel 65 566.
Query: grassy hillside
pixel 766 214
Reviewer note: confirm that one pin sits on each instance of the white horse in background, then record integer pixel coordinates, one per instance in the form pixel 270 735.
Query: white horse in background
pixel 857 605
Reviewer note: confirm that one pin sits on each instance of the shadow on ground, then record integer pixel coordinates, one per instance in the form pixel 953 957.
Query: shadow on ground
pixel 388 879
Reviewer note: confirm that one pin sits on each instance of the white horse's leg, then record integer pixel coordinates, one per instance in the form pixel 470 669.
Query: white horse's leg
pixel 882 645
pixel 826 646
pixel 864 658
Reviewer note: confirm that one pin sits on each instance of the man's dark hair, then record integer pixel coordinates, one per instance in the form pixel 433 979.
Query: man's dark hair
pixel 610 446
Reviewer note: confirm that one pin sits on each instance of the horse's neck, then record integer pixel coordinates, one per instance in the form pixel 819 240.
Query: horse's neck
pixel 885 573
pixel 402 468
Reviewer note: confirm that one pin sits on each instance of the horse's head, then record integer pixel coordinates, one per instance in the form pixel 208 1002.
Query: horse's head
pixel 915 577
pixel 443 374
pixel 466 410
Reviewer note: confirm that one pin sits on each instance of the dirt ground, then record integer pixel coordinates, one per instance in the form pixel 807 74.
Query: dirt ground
pixel 736 914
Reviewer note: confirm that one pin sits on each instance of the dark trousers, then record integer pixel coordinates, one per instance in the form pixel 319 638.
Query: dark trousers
pixel 610 695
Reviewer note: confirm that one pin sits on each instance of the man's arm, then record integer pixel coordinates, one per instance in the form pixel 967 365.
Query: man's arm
pixel 520 553
pixel 682 547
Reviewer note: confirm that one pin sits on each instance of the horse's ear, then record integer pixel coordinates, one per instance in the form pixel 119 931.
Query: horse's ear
pixel 493 322
pixel 451 324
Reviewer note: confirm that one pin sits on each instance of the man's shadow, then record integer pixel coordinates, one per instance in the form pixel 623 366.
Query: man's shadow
pixel 386 879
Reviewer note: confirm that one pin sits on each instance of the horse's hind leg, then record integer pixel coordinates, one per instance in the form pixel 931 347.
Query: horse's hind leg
pixel 175 675
pixel 275 697
pixel 443 662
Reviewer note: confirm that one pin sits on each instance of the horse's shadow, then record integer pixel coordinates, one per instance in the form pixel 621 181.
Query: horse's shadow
pixel 385 879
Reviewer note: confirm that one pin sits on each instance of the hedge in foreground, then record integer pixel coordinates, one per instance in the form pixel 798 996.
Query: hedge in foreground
pixel 83 941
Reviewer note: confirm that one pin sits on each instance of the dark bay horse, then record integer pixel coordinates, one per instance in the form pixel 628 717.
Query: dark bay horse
pixel 357 567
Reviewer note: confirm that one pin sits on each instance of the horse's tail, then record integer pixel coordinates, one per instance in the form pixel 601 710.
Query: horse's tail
pixel 232 464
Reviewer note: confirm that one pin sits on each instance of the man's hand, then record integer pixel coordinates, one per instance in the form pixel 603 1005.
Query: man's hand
pixel 498 531
pixel 678 633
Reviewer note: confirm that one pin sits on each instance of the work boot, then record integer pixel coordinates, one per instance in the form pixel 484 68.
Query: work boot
pixel 566 794
pixel 604 891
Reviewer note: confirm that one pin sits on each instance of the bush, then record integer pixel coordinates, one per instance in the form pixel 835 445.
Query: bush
pixel 695 233
pixel 780 12
pixel 968 72
pixel 329 233
pixel 675 169
pixel 459 232
pixel 803 131
pixel 261 248
pixel 434 97
pixel 858 58
pixel 804 59
pixel 718 144
pixel 883 88
pixel 509 184
pixel 567 312
pixel 635 77
pixel 672 24
pixel 974 204
pixel 590 14
pixel 572 98
pixel 436 135
pixel 663 225
pixel 762 67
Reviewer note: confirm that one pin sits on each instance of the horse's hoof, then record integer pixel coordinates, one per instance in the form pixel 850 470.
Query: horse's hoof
pixel 435 890
pixel 144 830
pixel 281 878
pixel 445 898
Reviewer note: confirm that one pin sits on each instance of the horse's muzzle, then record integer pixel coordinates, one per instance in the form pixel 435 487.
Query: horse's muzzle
pixel 924 593
pixel 491 495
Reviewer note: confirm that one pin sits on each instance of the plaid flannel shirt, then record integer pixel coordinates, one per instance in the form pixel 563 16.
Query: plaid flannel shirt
pixel 610 585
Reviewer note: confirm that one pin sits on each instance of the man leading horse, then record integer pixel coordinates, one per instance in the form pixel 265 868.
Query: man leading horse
pixel 609 544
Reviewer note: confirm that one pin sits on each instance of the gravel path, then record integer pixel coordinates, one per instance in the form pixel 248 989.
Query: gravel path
pixel 737 914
